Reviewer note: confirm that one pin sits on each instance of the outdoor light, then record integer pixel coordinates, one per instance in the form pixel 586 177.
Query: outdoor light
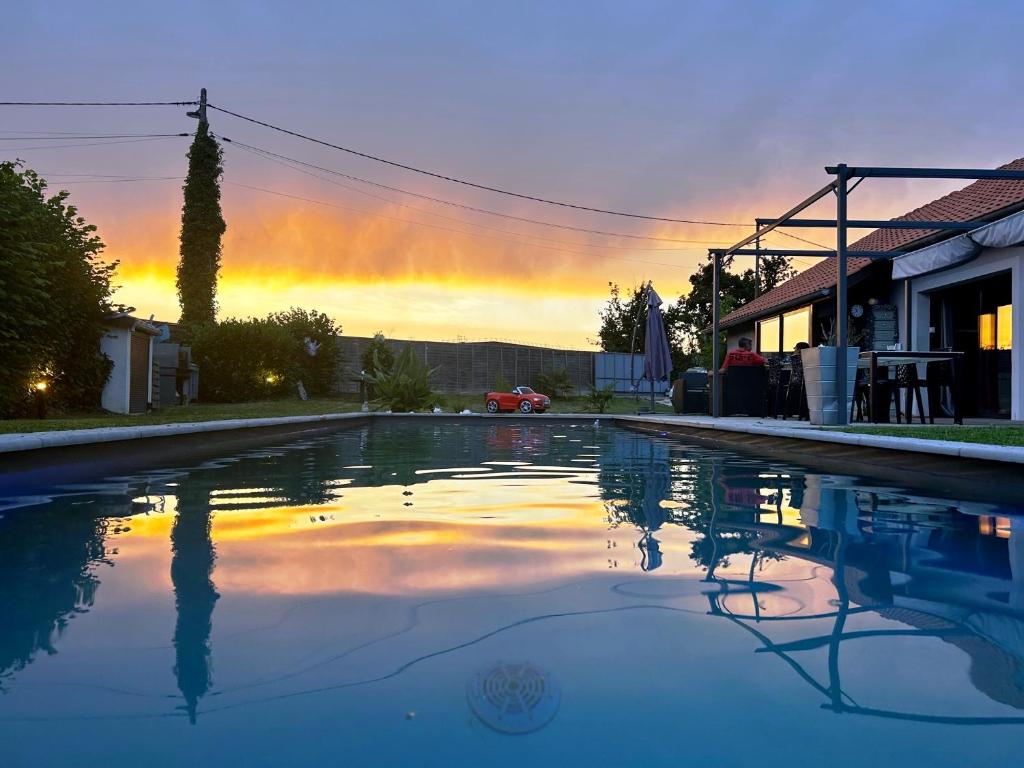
pixel 40 386
pixel 271 378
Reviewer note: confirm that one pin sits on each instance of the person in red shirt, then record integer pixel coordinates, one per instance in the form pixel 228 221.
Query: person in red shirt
pixel 744 355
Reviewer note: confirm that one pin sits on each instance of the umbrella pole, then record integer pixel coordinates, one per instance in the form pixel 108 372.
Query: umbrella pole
pixel 652 395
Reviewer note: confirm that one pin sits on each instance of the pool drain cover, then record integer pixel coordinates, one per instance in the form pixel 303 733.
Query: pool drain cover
pixel 513 698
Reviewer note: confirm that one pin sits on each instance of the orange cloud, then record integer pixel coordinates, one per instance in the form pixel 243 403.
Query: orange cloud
pixel 379 270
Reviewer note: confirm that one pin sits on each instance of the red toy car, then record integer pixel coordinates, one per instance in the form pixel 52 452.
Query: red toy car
pixel 522 399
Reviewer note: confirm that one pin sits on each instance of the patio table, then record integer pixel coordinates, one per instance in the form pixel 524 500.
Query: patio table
pixel 873 359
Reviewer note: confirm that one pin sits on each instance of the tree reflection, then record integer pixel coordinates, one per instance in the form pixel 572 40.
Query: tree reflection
pixel 47 576
pixel 194 593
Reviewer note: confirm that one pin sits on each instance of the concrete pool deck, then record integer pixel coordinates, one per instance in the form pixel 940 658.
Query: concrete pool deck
pixel 725 429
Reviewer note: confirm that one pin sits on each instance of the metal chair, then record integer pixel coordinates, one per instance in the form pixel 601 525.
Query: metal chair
pixel 906 386
pixel 861 395
pixel 795 389
pixel 775 386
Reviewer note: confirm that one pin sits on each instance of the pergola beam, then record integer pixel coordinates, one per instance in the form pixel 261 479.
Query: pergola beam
pixel 821 253
pixel 876 224
pixel 924 173
pixel 761 231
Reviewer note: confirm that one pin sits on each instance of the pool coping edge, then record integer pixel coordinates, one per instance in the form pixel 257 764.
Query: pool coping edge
pixel 32 441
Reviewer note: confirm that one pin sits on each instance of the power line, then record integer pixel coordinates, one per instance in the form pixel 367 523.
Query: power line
pixel 475 185
pixel 90 144
pixel 445 229
pixel 802 239
pixel 67 136
pixel 118 181
pixel 97 103
pixel 473 223
pixel 286 159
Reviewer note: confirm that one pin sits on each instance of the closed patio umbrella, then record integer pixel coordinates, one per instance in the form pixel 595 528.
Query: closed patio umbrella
pixel 657 357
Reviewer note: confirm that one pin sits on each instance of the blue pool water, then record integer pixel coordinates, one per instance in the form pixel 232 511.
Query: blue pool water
pixel 506 594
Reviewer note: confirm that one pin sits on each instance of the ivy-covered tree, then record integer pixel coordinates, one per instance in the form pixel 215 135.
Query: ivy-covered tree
pixel 202 226
pixel 54 294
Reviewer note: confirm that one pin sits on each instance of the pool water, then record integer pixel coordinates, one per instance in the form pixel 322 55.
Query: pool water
pixel 501 593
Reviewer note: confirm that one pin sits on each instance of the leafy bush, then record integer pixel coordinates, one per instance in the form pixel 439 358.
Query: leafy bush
pixel 404 385
pixel 259 358
pixel 376 357
pixel 554 383
pixel 458 403
pixel 501 384
pixel 54 294
pixel 243 360
pixel 599 399
pixel 315 348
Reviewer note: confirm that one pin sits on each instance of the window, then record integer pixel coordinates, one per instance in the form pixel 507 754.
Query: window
pixel 987 331
pixel 768 335
pixel 1004 327
pixel 796 327
pixel 793 327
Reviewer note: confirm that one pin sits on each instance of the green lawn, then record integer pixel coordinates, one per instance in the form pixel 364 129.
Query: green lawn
pixel 195 412
pixel 265 408
pixel 994 435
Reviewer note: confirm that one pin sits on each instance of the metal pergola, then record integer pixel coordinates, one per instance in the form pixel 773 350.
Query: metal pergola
pixel 841 188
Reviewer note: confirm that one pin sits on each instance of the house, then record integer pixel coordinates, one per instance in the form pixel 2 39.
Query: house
pixel 947 291
pixel 128 342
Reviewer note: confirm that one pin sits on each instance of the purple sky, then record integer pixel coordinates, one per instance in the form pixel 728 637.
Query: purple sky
pixel 718 110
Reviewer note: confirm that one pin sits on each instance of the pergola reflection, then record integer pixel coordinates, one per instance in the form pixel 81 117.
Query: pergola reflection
pixel 854 565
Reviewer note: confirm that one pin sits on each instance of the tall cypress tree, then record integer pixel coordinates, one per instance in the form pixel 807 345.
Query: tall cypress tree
pixel 201 228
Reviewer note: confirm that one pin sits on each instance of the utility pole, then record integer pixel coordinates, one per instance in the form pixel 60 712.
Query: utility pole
pixel 757 263
pixel 716 342
pixel 200 114
pixel 842 177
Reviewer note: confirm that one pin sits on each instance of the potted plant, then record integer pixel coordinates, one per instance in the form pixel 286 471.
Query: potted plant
pixel 819 365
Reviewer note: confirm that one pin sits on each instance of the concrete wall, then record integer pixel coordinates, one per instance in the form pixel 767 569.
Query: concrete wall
pixel 474 366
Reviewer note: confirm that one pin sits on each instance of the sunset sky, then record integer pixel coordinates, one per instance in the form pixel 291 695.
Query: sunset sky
pixel 712 111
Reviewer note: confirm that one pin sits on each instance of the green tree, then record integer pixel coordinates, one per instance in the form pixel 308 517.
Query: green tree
pixel 622 317
pixel 243 360
pixel 247 359
pixel 54 294
pixel 202 226
pixel 693 311
pixel 315 350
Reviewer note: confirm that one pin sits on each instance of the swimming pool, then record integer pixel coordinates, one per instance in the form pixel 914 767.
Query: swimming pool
pixel 494 592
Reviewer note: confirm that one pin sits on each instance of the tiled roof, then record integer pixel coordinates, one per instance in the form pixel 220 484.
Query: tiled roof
pixel 983 200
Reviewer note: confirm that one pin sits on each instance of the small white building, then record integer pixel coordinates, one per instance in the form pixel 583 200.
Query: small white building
pixel 128 342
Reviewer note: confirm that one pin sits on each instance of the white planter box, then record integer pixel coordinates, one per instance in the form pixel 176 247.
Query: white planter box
pixel 820 382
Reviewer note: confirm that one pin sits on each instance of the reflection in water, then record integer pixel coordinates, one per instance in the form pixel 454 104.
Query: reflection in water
pixel 898 563
pixel 401 531
pixel 194 594
pixel 47 577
